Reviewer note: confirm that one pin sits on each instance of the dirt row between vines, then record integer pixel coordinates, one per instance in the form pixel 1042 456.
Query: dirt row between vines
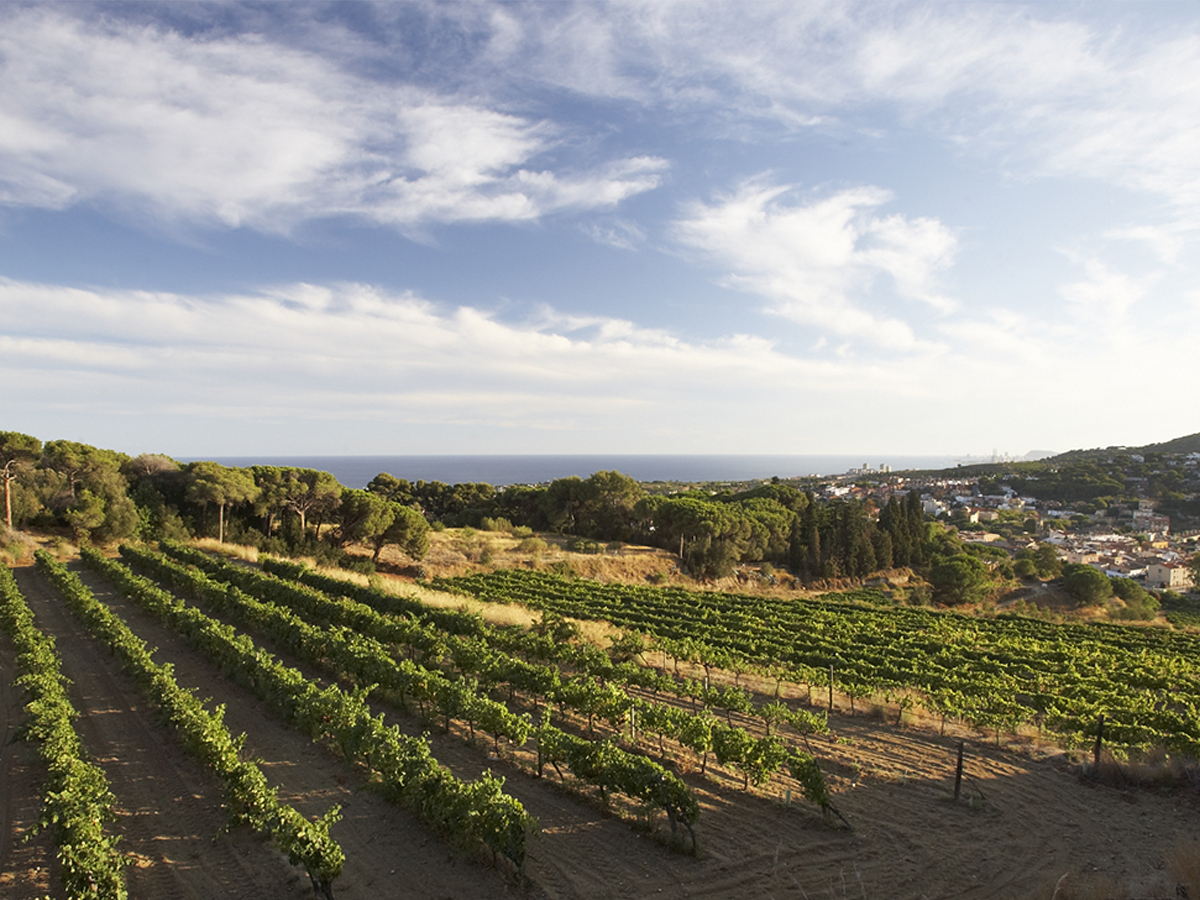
pixel 1021 825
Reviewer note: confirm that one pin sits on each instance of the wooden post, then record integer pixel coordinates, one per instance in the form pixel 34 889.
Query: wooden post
pixel 958 771
pixel 831 687
pixel 1099 743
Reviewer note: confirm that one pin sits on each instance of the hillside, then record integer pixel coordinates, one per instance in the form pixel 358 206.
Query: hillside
pixel 1180 445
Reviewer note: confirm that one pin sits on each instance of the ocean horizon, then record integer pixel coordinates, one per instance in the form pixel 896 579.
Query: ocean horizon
pixel 502 470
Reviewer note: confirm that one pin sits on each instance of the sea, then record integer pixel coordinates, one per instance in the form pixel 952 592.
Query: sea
pixel 503 470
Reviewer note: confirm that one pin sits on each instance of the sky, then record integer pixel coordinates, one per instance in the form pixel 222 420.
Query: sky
pixel 712 228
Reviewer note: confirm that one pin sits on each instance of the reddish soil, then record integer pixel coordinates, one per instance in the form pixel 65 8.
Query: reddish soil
pixel 1022 822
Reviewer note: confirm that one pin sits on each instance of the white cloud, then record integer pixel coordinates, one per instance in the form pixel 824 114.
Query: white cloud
pixel 1106 298
pixel 1031 87
pixel 619 233
pixel 1165 242
pixel 817 261
pixel 394 363
pixel 242 131
pixel 350 368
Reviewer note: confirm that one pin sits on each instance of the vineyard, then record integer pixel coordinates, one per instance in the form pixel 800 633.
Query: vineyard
pixel 996 674
pixel 366 738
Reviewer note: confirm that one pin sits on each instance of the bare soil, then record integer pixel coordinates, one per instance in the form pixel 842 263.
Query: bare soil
pixel 1024 819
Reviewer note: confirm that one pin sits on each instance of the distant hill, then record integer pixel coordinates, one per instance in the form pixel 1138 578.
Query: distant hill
pixel 1189 444
pixel 1035 455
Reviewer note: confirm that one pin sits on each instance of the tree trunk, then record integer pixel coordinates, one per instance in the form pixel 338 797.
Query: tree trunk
pixel 7 499
pixel 221 523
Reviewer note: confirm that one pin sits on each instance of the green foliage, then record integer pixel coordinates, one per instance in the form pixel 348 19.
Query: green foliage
pixel 992 673
pixel 584 545
pixel 1194 568
pixel 18 453
pixel 960 579
pixel 77 803
pixel 212 483
pixel 247 794
pixel 1086 584
pixel 407 773
pixel 1139 603
pixel 804 769
pixel 1042 562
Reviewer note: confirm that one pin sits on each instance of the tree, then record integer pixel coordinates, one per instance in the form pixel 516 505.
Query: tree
pixel 310 492
pixel 363 516
pixel 1086 584
pixel 1139 603
pixel 562 501
pixel 210 482
pixel 81 464
pixel 86 514
pixel 408 530
pixel 960 579
pixel 390 487
pixel 1048 563
pixel 607 501
pixel 272 495
pixel 18 452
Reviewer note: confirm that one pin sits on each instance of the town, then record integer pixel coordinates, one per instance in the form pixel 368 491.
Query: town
pixel 1145 529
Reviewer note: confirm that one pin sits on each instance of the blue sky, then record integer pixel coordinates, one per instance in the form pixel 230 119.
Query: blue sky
pixel 412 228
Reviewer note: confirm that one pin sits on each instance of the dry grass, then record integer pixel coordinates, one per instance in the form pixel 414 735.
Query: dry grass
pixel 462 551
pixel 1156 770
pixel 232 551
pixel 16 548
pixel 493 613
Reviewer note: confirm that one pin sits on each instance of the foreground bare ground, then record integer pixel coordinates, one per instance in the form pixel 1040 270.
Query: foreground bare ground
pixel 1023 822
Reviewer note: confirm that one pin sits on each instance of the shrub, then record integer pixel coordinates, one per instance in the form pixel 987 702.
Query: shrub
pixel 274 546
pixel 532 545
pixel 359 564
pixel 584 545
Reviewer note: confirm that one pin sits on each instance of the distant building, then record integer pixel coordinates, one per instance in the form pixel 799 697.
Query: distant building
pixel 1150 521
pixel 1168 575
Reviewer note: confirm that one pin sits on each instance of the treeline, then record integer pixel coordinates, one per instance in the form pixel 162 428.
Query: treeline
pixel 712 533
pixel 102 495
pixel 1116 480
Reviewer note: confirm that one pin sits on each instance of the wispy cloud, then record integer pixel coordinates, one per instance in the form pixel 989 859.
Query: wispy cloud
pixel 816 259
pixel 240 131
pixel 1018 85
pixel 311 353
pixel 393 368
pixel 1107 297
pixel 619 233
